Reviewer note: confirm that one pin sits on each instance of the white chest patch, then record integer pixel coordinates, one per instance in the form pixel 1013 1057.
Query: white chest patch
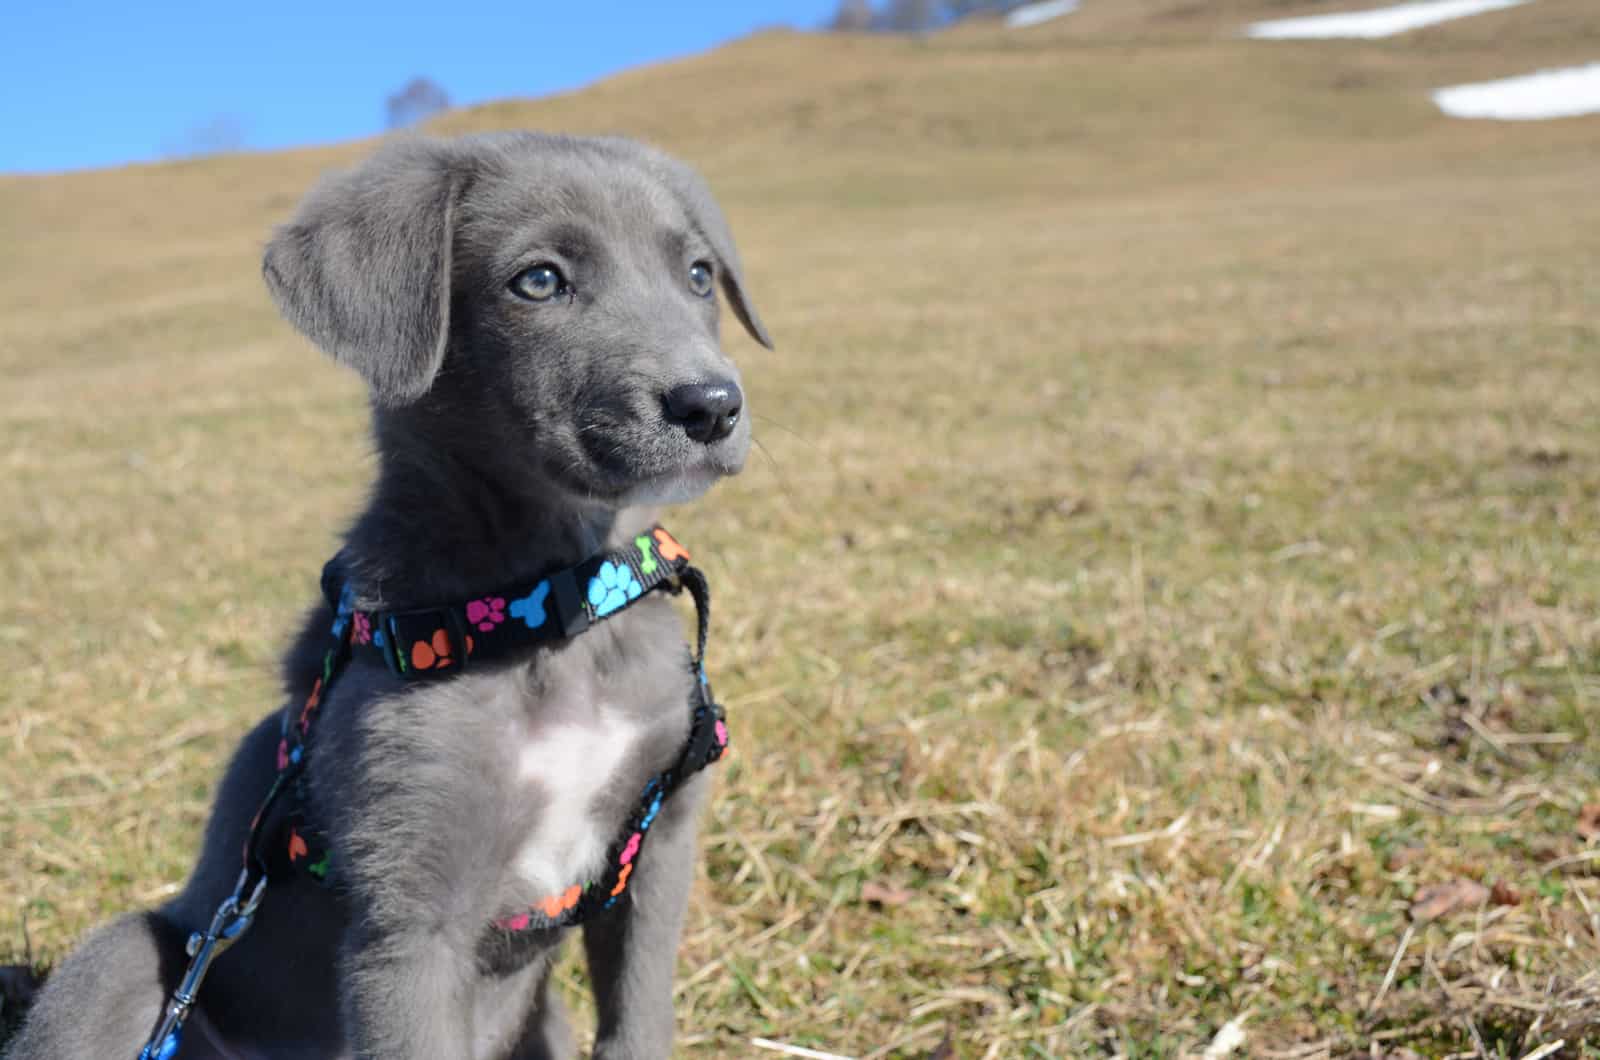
pixel 571 764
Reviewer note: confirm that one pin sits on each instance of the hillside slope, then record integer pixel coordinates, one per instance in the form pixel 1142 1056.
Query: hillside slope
pixel 1174 547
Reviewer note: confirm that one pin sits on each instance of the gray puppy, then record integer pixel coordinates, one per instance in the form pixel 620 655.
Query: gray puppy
pixel 535 316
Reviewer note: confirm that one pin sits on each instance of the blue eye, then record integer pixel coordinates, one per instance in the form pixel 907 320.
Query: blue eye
pixel 540 283
pixel 700 277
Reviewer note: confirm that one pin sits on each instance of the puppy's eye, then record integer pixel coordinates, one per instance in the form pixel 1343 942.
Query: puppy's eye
pixel 700 277
pixel 540 283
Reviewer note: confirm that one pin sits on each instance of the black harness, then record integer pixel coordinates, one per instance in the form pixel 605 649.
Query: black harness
pixel 436 642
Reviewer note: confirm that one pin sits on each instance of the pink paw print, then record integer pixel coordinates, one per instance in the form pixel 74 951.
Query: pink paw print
pixel 487 613
pixel 361 628
pixel 631 849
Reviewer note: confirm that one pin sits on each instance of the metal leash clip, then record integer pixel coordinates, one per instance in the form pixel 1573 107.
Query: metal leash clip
pixel 232 918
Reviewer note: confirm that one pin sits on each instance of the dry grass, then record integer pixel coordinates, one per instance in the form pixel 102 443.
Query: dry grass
pixel 1178 544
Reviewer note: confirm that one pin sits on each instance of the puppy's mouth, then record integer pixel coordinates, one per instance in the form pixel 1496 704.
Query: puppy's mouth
pixel 638 465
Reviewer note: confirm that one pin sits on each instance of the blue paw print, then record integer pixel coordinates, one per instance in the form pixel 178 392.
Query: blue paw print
pixel 347 604
pixel 612 587
pixel 531 607
pixel 650 816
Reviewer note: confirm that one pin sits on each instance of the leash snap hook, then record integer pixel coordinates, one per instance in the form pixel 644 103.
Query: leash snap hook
pixel 231 920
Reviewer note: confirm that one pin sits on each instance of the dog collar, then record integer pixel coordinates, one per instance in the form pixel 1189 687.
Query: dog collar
pixel 434 641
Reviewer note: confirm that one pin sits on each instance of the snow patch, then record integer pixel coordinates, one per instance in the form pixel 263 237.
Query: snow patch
pixel 1044 11
pixel 1564 93
pixel 1377 22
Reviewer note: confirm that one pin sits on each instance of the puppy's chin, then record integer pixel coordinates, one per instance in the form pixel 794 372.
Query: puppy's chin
pixel 674 488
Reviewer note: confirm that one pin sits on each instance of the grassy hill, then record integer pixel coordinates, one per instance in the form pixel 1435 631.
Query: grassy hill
pixel 1175 547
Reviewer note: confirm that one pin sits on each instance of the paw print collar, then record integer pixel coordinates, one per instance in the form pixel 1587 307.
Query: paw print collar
pixel 440 641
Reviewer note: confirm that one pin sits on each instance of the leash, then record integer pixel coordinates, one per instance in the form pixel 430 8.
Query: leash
pixel 436 642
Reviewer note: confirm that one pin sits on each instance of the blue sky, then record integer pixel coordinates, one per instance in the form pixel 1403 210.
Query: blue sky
pixel 98 83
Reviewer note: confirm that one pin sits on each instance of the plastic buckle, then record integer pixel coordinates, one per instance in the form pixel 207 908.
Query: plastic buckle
pixel 567 597
pixel 444 618
pixel 391 646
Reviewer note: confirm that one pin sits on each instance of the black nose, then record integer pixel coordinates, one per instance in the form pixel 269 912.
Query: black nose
pixel 706 411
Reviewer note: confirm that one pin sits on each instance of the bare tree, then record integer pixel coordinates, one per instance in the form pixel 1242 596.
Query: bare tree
pixel 216 135
pixel 912 16
pixel 963 8
pixel 421 98
pixel 853 16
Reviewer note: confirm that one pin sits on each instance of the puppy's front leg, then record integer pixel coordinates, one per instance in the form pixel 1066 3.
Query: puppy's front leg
pixel 633 950
pixel 407 996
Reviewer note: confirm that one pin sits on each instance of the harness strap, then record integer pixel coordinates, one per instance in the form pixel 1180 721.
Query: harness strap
pixel 436 642
pixel 694 580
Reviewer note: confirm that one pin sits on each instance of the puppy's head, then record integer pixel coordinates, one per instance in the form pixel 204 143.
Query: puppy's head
pixel 544 304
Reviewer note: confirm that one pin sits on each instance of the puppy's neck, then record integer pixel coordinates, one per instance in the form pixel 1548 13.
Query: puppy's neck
pixel 447 522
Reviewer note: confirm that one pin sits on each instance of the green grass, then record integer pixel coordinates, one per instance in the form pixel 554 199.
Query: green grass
pixel 1175 543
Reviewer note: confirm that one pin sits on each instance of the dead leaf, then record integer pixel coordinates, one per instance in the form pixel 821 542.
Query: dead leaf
pixel 1502 893
pixel 1547 454
pixel 1589 821
pixel 1440 899
pixel 1403 856
pixel 882 894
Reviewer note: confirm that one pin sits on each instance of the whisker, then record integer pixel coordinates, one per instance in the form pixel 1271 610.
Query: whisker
pixel 783 479
pixel 783 427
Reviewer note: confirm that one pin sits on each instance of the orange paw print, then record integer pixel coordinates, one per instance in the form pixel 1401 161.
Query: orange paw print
pixel 297 846
pixel 434 654
pixel 557 904
pixel 668 546
pixel 313 701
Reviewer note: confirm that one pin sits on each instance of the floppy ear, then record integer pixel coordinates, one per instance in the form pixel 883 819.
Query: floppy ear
pixel 363 269
pixel 696 197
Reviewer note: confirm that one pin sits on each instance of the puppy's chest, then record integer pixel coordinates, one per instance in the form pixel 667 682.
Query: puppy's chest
pixel 578 775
